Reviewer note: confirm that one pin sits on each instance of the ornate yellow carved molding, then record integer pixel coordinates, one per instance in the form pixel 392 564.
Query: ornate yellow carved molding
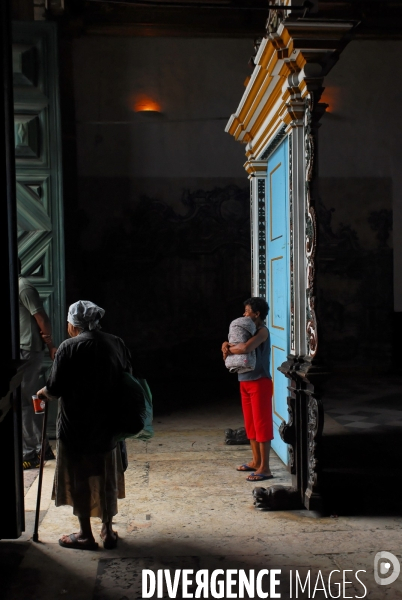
pixel 290 64
pixel 255 167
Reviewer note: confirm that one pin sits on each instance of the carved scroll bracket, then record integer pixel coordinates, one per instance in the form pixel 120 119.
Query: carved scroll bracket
pixel 287 431
pixel 311 232
pixel 293 112
pixel 315 423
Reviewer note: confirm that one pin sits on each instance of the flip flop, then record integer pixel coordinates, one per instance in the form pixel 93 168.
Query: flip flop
pixel 245 468
pixel 112 544
pixel 259 477
pixel 77 545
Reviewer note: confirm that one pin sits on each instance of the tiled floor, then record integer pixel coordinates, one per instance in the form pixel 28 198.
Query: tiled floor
pixel 31 474
pixel 29 477
pixel 186 506
pixel 362 406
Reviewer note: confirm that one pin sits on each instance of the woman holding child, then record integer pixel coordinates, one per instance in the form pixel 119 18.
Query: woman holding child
pixel 256 391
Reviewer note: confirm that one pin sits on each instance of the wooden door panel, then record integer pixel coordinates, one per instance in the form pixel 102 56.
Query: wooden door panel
pixel 38 170
pixel 277 206
pixel 278 308
pixel 278 273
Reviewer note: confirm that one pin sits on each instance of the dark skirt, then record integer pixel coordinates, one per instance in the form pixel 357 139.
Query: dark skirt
pixel 90 483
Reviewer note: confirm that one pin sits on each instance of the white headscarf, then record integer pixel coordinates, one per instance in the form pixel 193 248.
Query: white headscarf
pixel 85 314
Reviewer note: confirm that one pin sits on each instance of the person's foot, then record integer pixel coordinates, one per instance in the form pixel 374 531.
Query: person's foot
pixel 247 467
pixel 78 541
pixel 260 476
pixel 109 537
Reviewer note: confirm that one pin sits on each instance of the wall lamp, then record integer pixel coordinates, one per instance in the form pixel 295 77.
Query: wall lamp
pixel 147 107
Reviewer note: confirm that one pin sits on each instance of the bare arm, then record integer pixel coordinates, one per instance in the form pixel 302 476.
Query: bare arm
pixel 253 343
pixel 45 327
pixel 225 350
pixel 45 395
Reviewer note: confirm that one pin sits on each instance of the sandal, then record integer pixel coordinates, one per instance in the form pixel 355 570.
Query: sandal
pixel 245 468
pixel 258 477
pixel 77 545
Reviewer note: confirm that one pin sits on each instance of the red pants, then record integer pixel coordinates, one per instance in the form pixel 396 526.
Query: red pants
pixel 256 399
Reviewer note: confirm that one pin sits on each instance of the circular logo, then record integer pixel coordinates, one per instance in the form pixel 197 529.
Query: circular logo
pixel 383 562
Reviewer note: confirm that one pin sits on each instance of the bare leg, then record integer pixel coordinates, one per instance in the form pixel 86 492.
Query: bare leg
pixel 263 469
pixel 264 449
pixel 86 531
pixel 108 535
pixel 107 531
pixel 256 460
pixel 255 449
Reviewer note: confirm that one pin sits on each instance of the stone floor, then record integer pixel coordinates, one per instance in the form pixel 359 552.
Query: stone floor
pixel 366 405
pixel 188 508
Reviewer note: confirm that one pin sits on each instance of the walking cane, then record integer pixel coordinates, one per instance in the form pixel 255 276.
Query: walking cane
pixel 35 536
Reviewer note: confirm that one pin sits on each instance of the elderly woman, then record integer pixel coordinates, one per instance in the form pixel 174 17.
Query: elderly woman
pixel 89 472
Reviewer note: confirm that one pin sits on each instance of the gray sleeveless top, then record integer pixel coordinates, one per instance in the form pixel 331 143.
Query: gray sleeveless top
pixel 263 356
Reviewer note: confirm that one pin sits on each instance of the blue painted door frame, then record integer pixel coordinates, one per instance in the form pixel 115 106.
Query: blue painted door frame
pixel 278 282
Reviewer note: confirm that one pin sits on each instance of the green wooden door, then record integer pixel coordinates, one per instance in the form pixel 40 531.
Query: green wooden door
pixel 38 170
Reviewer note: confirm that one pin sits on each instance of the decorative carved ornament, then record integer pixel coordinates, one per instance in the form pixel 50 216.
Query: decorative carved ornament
pixel 290 64
pixel 287 432
pixel 253 282
pixel 314 430
pixel 291 248
pixel 262 243
pixel 26 134
pixel 276 140
pixel 311 233
pixel 275 18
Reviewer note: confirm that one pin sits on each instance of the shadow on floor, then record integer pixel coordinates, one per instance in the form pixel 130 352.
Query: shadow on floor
pixel 121 578
pixel 27 570
pixel 45 575
pixel 11 556
pixel 361 473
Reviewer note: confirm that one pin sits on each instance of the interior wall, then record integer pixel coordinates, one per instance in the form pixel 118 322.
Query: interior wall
pixel 360 207
pixel 354 268
pixel 158 232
